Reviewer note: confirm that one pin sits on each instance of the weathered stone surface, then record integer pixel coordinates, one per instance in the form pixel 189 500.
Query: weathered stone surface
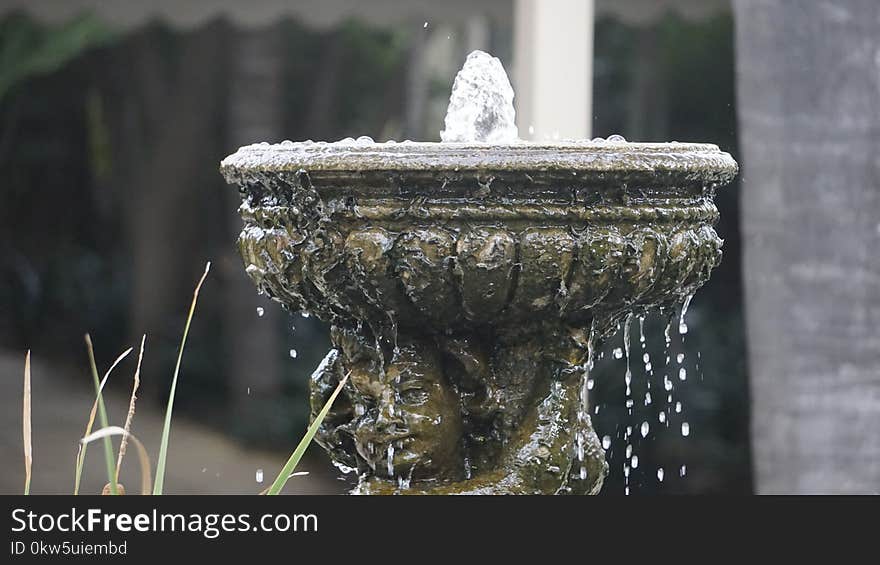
pixel 463 285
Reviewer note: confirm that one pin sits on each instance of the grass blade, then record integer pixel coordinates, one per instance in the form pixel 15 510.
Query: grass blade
pixel 26 424
pixel 131 404
pixel 143 456
pixel 98 406
pixel 297 454
pixel 159 485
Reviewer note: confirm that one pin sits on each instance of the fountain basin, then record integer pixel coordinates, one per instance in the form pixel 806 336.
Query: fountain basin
pixel 466 284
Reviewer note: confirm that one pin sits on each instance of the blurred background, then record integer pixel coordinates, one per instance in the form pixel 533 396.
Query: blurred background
pixel 113 120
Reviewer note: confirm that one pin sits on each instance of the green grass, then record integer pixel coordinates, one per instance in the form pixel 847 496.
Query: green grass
pixel 297 454
pixel 107 431
pixel 109 456
pixel 159 485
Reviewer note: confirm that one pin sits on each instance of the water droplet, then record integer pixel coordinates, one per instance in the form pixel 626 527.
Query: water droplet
pixel 615 138
pixel 662 417
pixel 629 403
pixel 249 391
pixel 629 451
pixel 667 384
pixel 425 26
pixel 305 314
pixel 606 442
pixel 647 399
pixel 683 471
pixel 390 460
pixel 260 311
pixel 293 353
pixel 679 357
pixel 645 428
pixel 660 474
pixel 259 475
pixel 590 384
pixel 646 358
pixel 685 429
pixel 618 353
pixel 682 374
pixel 682 326
pixel 678 407
pixel 635 462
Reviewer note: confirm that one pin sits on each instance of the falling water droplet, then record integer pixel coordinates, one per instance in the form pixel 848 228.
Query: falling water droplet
pixel 678 407
pixel 660 474
pixel 618 353
pixel 682 374
pixel 260 311
pixel 647 399
pixel 249 391
pixel 667 384
pixel 293 353
pixel 685 429
pixel 606 442
pixel 629 403
pixel 305 314
pixel 590 384
pixel 390 460
pixel 683 471
pixel 682 326
pixel 629 451
pixel 259 475
pixel 646 427
pixel 635 462
pixel 646 358
pixel 662 417
pixel 679 357
pixel 425 26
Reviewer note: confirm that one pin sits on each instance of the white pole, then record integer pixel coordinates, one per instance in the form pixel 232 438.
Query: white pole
pixel 553 68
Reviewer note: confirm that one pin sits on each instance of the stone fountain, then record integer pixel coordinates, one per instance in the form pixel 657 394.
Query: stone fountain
pixel 466 285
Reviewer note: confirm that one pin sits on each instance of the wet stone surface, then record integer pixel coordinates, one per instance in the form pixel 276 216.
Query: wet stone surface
pixel 466 286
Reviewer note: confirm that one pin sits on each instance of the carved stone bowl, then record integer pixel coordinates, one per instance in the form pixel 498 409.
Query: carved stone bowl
pixel 465 286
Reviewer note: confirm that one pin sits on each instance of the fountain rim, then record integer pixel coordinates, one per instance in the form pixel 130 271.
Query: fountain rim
pixel 700 160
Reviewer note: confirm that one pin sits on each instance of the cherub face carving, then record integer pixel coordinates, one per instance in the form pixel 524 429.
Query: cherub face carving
pixel 407 422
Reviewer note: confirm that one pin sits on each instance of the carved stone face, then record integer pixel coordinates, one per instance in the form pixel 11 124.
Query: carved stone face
pixel 410 414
